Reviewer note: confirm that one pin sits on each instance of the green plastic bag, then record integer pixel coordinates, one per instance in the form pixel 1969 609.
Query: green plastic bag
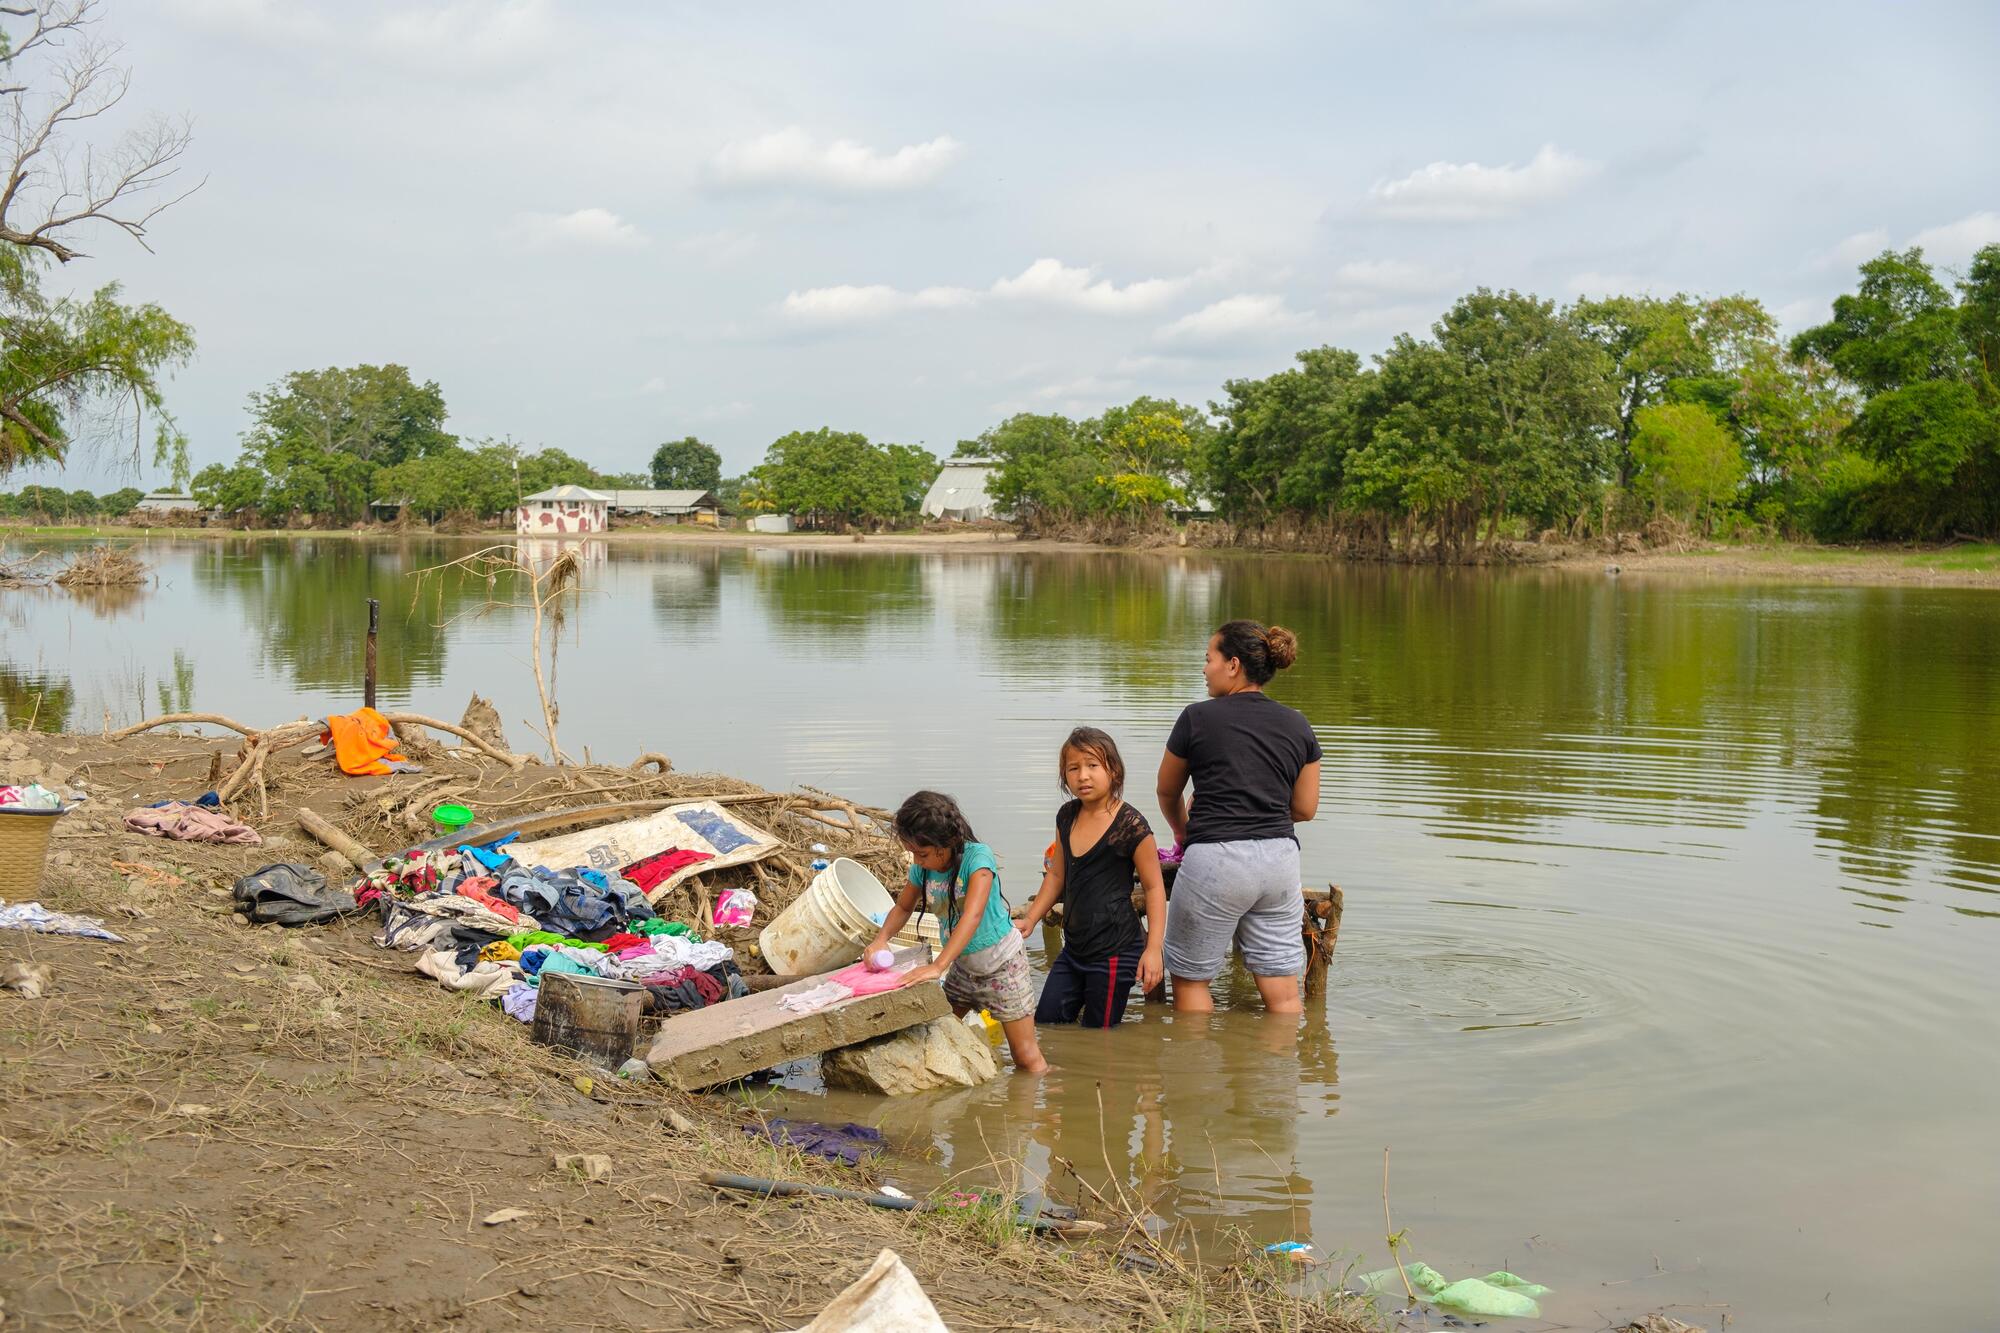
pixel 1532 1290
pixel 1476 1297
pixel 1423 1278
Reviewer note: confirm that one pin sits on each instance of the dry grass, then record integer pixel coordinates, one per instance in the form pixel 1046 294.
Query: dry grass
pixel 103 567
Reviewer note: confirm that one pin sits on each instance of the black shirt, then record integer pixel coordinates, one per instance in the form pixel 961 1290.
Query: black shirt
pixel 1098 919
pixel 1244 752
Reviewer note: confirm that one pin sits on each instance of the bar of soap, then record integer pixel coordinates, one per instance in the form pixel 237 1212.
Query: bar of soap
pixel 881 961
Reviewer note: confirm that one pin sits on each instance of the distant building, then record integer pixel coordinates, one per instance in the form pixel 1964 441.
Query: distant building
pixel 387 511
pixel 562 510
pixel 679 506
pixel 770 523
pixel 165 502
pixel 959 492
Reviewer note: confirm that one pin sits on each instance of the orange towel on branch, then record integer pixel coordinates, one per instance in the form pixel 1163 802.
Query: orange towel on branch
pixel 362 741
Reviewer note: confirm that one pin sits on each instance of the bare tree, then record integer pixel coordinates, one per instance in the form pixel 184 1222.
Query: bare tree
pixel 57 76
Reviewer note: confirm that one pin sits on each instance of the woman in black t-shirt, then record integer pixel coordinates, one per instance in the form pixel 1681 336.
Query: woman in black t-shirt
pixel 1255 766
pixel 1102 846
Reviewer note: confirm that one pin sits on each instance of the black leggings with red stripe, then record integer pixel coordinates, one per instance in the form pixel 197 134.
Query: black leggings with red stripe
pixel 1090 993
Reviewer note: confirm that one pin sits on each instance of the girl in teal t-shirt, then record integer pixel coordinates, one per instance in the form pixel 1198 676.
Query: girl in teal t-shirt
pixel 983 961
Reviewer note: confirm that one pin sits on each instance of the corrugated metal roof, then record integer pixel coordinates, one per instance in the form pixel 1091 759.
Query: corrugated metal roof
pixel 581 493
pixel 660 499
pixel 960 486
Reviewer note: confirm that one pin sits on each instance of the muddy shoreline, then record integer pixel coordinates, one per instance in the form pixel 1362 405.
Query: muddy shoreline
pixel 1941 566
pixel 218 1123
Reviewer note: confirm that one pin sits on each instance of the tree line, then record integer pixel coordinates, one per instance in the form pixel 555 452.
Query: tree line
pixel 1512 417
pixel 1517 417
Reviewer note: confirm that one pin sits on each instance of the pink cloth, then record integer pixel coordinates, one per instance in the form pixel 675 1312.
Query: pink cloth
pixel 863 982
pixel 189 823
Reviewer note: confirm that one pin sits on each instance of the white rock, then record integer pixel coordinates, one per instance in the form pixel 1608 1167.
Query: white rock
pixel 943 1053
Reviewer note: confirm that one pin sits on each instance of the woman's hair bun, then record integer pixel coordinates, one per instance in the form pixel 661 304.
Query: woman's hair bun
pixel 1283 646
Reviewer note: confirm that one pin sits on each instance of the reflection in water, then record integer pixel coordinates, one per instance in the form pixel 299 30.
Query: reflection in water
pixel 1660 897
pixel 36 701
pixel 1182 1119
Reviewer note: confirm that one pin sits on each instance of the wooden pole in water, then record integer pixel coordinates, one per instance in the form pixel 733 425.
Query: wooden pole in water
pixel 368 678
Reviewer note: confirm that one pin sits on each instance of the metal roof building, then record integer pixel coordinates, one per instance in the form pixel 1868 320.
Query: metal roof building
pixel 960 491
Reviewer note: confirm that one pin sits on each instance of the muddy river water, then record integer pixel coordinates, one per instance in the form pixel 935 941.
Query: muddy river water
pixel 1668 971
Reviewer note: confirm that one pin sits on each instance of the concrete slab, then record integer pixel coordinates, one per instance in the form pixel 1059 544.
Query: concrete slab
pixel 726 1041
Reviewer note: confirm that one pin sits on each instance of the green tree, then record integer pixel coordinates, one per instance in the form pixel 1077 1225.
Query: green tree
pixel 122 501
pixel 686 465
pixel 1931 414
pixel 830 477
pixel 321 435
pixel 1284 439
pixel 1508 409
pixel 916 468
pixel 1677 349
pixel 1688 460
pixel 1048 469
pixel 61 357
pixel 1146 451
pixel 233 490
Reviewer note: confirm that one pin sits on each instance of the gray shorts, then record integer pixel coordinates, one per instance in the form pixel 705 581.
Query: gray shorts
pixel 997 980
pixel 1243 893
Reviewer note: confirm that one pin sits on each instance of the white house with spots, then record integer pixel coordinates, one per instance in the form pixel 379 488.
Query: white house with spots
pixel 562 510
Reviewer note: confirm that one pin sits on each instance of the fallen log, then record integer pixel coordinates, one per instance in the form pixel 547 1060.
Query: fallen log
pixel 210 719
pixel 517 762
pixel 333 839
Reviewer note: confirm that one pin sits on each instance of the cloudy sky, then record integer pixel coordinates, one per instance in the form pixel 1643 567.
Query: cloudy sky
pixel 604 223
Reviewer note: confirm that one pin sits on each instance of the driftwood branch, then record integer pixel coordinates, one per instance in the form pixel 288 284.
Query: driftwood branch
pixel 331 837
pixel 514 761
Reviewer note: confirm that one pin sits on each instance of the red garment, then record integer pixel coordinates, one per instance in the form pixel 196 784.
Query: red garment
pixel 624 939
pixel 649 873
pixel 480 888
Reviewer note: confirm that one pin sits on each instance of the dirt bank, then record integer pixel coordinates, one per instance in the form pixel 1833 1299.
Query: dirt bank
pixel 1960 565
pixel 214 1125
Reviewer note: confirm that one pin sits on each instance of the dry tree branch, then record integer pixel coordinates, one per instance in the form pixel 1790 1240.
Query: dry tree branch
pixel 75 79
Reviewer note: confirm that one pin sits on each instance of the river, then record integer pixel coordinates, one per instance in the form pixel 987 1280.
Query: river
pixel 1668 965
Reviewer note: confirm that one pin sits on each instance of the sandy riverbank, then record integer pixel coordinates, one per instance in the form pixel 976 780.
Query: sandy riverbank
pixel 212 1124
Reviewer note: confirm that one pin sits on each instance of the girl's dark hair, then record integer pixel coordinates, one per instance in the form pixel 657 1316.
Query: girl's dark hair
pixel 932 819
pixel 1263 652
pixel 1091 741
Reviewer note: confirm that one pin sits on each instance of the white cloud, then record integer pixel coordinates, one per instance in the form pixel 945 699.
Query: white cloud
pixel 844 304
pixel 723 412
pixel 1046 282
pixel 1392 277
pixel 1794 316
pixel 1953 244
pixel 654 386
pixel 793 157
pixel 1052 282
pixel 592 228
pixel 1468 191
pixel 1233 318
pixel 479 35
pixel 1591 283
pixel 1856 249
pixel 267 20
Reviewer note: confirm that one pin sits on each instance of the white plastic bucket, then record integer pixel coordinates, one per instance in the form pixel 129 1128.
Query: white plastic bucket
pixel 830 923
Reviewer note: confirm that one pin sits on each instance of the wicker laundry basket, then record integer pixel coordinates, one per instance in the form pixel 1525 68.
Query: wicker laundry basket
pixel 24 849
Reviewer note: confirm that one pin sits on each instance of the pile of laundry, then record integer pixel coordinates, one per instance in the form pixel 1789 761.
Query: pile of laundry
pixel 485 924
